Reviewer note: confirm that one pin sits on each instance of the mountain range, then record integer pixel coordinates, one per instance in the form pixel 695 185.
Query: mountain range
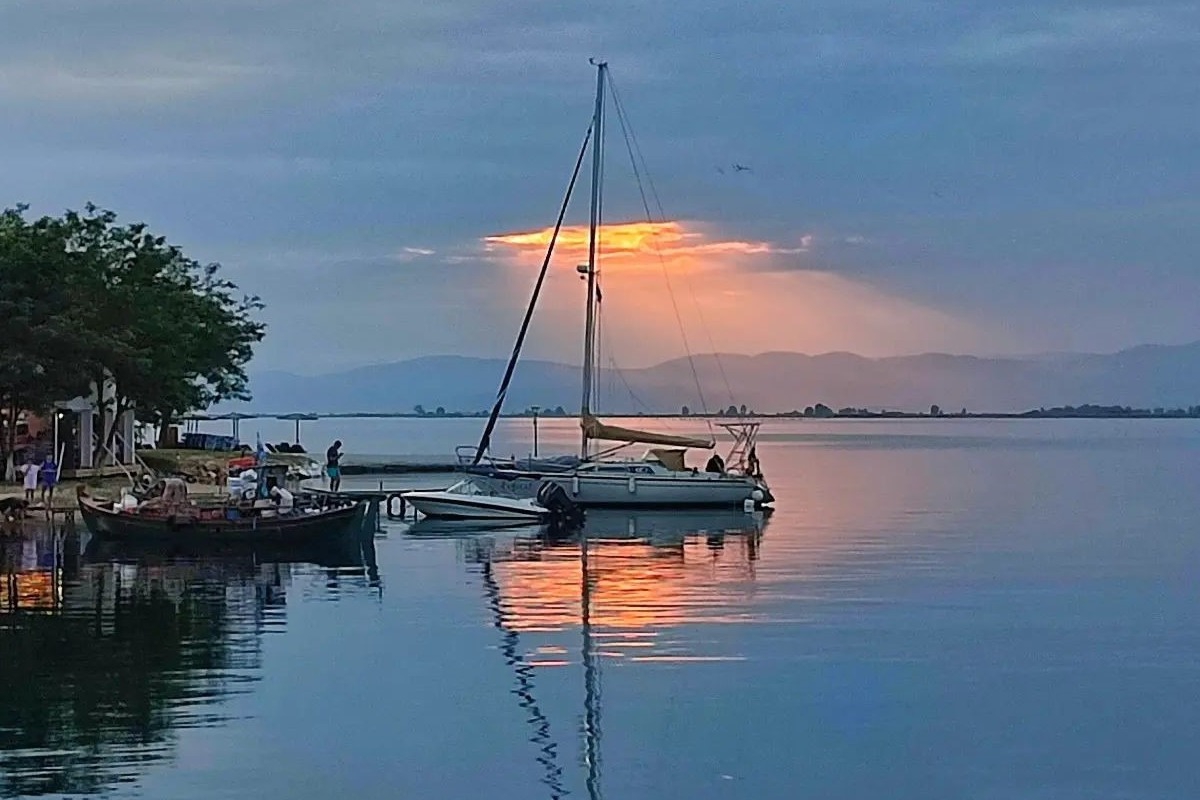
pixel 1144 376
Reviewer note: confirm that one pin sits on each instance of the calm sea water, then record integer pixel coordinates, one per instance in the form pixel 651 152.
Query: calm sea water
pixel 944 609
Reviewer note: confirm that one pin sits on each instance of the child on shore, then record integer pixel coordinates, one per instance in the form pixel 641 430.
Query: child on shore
pixel 30 471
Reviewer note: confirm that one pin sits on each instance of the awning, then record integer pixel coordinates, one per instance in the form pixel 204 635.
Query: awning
pixel 595 429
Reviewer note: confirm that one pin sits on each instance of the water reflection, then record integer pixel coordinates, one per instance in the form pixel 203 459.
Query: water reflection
pixel 107 652
pixel 625 576
pixel 647 571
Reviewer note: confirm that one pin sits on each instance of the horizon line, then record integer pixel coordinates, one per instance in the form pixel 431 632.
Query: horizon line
pixel 685 357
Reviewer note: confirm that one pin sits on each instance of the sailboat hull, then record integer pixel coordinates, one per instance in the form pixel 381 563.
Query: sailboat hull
pixel 671 490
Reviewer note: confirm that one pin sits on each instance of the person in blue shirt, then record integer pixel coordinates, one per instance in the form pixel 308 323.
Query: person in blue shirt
pixel 48 478
pixel 333 466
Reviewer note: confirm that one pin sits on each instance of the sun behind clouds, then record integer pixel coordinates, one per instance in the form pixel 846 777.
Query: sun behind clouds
pixel 664 281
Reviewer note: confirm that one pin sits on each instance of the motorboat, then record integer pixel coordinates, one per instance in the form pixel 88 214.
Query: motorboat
pixel 468 499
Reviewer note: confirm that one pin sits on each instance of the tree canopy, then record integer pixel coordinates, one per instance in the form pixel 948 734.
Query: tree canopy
pixel 83 298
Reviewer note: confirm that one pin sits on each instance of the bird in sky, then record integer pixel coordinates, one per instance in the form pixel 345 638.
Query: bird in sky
pixel 741 168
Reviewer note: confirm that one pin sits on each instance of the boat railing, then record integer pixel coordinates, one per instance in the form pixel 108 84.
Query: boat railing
pixel 743 456
pixel 465 455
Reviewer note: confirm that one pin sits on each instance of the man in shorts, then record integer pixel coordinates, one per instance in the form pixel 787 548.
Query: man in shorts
pixel 48 478
pixel 333 468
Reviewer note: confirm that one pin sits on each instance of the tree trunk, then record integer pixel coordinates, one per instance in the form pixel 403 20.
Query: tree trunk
pixel 165 416
pixel 10 441
pixel 119 409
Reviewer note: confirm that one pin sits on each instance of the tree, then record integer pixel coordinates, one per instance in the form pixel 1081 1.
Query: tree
pixel 419 410
pixel 685 411
pixel 44 336
pixel 174 335
pixel 809 411
pixel 935 411
pixel 88 299
pixel 440 411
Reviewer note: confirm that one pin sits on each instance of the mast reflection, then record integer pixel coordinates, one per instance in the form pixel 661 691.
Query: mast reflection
pixel 620 580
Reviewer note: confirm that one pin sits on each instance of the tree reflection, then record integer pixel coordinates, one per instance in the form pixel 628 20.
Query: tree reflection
pixel 97 676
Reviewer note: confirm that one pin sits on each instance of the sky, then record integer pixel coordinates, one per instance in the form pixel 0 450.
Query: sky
pixel 966 177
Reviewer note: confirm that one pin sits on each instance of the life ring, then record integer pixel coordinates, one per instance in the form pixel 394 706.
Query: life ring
pixel 392 511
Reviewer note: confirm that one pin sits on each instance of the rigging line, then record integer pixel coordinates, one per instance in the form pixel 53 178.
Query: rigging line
pixel 626 131
pixel 664 424
pixel 632 395
pixel 662 216
pixel 601 139
pixel 599 348
pixel 541 736
pixel 486 439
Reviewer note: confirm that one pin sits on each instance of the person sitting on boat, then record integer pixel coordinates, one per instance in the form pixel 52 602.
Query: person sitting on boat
pixel 753 469
pixel 169 494
pixel 249 484
pixel 715 464
pixel 285 501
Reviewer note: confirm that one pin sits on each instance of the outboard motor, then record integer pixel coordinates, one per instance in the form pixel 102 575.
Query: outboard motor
pixel 564 513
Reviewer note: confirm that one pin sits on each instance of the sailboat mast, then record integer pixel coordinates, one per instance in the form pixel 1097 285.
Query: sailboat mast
pixel 589 334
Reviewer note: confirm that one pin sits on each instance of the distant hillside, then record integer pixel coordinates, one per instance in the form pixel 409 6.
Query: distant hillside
pixel 1150 375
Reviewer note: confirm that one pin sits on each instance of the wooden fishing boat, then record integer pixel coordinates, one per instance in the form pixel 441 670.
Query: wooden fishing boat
pixel 219 523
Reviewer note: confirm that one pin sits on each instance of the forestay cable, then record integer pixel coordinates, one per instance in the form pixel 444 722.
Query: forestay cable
pixel 633 147
pixel 486 440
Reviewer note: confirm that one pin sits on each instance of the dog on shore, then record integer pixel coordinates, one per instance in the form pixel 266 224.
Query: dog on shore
pixel 13 511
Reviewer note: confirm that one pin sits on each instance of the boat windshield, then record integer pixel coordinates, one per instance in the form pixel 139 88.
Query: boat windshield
pixel 465 487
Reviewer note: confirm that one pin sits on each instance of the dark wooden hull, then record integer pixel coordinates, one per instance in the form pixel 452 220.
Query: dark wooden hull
pixel 302 528
pixel 348 550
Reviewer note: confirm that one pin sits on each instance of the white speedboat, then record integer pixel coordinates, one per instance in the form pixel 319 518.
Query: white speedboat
pixel 468 500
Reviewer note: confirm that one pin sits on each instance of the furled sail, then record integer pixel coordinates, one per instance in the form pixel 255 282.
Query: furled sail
pixel 595 429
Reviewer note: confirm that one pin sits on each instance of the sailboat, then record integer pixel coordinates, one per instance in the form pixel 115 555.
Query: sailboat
pixel 661 477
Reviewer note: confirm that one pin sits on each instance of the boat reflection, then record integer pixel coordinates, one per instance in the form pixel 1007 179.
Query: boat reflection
pixel 103 662
pixel 619 581
pixel 647 571
pixel 107 651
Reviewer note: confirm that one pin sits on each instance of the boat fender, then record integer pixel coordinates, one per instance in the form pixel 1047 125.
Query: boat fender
pixel 395 506
pixel 575 485
pixel 632 485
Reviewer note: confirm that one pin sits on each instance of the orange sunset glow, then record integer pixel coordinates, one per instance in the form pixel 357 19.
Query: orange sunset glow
pixel 632 243
pixel 635 587
pixel 731 294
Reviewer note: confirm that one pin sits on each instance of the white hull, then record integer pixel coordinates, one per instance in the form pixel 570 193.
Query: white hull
pixel 450 505
pixel 670 490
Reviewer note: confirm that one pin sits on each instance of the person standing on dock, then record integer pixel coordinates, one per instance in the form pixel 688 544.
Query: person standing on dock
pixel 48 477
pixel 333 467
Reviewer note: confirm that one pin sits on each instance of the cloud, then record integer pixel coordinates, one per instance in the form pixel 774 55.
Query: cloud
pixel 975 159
pixel 637 244
pixel 1024 38
pixel 673 285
